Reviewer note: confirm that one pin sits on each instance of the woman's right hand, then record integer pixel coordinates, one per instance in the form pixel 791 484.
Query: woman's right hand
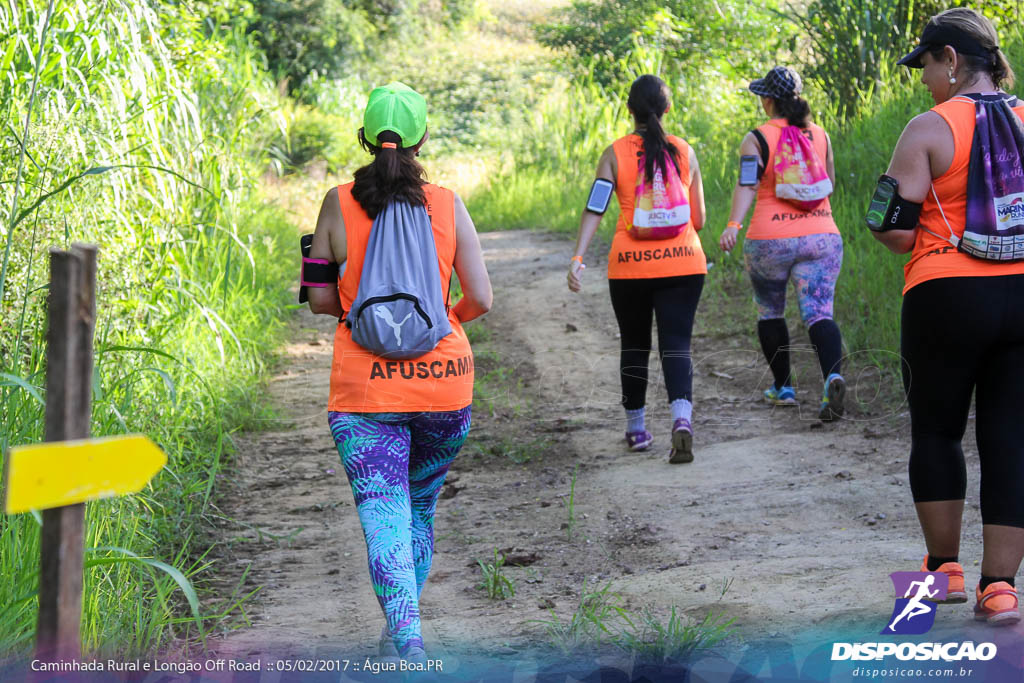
pixel 728 239
pixel 575 275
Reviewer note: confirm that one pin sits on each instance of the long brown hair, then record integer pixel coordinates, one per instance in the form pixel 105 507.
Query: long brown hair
pixel 795 110
pixel 648 99
pixel 393 175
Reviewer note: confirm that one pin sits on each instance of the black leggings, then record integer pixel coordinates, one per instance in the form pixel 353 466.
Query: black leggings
pixel 673 301
pixel 962 334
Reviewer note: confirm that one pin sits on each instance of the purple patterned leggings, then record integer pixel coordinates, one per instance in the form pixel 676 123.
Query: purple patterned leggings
pixel 812 261
pixel 396 464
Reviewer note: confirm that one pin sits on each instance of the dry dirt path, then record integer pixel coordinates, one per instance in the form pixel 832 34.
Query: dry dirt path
pixel 787 525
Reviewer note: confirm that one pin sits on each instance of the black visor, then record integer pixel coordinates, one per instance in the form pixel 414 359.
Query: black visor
pixel 936 36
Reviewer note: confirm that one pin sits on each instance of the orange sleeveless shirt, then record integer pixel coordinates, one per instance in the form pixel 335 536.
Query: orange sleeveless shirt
pixel 934 257
pixel 362 382
pixel 633 259
pixel 776 218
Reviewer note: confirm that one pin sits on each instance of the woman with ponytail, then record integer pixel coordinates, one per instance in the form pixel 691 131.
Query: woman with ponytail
pixel 658 278
pixel 398 424
pixel 962 320
pixel 786 243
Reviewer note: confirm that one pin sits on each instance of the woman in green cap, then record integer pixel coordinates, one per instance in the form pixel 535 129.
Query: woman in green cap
pixel 398 424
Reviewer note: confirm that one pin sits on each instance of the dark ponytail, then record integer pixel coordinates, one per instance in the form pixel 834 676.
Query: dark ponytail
pixel 794 109
pixel 393 175
pixel 648 100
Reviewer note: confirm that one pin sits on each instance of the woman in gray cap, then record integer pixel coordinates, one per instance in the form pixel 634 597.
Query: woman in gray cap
pixel 786 243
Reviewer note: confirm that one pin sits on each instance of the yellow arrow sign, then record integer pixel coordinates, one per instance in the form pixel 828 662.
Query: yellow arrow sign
pixel 50 475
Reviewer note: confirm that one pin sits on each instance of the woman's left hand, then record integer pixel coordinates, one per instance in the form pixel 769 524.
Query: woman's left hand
pixel 728 239
pixel 575 275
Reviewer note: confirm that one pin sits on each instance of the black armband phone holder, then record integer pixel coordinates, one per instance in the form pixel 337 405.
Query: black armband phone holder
pixel 315 272
pixel 888 210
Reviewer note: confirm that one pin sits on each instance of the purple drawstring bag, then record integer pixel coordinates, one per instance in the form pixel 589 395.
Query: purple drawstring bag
pixel 994 226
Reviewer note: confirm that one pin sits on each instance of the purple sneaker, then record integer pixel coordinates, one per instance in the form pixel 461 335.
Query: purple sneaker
pixel 682 442
pixel 639 441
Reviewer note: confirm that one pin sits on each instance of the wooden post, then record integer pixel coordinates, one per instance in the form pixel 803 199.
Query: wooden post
pixel 72 314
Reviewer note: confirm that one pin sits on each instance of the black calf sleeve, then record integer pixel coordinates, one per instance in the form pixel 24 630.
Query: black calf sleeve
pixel 774 337
pixel 828 343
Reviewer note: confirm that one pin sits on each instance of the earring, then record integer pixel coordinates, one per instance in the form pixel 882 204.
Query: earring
pixel 952 79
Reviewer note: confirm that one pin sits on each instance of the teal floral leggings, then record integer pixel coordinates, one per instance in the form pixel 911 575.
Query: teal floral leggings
pixel 396 464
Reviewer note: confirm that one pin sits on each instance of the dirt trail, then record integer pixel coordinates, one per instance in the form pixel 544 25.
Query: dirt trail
pixel 786 524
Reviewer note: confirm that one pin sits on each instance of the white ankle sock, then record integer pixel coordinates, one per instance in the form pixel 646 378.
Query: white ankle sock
pixel 682 408
pixel 635 420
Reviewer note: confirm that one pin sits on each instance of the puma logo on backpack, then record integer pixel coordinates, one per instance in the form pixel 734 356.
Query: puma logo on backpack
pixel 399 311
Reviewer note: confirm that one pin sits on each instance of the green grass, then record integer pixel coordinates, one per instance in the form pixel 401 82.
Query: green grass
pixel 494 581
pixel 602 620
pixel 138 136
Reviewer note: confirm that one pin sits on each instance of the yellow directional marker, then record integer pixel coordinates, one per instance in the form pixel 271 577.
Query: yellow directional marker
pixel 50 475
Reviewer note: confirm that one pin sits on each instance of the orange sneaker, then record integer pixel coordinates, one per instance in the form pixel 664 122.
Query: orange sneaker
pixel 957 592
pixel 998 604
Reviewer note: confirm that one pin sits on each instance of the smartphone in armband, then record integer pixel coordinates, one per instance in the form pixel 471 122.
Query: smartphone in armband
pixel 749 165
pixel 881 200
pixel 600 195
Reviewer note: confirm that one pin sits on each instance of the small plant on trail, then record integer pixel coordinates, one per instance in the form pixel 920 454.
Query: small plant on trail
pixel 497 585
pixel 602 619
pixel 570 505
pixel 678 638
pixel 596 621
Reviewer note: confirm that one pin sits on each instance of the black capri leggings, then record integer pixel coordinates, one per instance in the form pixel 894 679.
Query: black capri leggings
pixel 962 334
pixel 673 302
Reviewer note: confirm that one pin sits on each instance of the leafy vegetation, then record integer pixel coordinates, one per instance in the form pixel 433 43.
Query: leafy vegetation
pixel 494 581
pixel 602 619
pixel 131 125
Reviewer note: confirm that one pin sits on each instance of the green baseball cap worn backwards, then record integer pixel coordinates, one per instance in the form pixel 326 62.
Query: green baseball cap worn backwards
pixel 395 107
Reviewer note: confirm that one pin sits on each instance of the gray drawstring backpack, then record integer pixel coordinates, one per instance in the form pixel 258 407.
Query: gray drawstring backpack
pixel 399 311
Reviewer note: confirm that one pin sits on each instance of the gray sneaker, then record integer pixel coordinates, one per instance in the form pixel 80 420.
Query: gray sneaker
pixel 386 645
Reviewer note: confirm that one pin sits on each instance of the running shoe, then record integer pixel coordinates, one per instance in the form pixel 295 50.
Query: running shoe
pixel 682 442
pixel 780 397
pixel 832 398
pixel 997 604
pixel 415 654
pixel 639 441
pixel 956 592
pixel 386 645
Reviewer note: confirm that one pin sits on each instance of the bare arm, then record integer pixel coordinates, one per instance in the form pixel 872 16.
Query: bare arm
pixel 469 266
pixel 590 222
pixel 911 166
pixel 743 197
pixel 830 163
pixel 328 243
pixel 697 211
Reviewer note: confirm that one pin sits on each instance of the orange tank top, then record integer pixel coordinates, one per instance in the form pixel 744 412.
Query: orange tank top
pixel 776 218
pixel 933 256
pixel 633 259
pixel 362 382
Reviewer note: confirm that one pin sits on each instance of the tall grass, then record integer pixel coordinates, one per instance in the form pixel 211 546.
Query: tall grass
pixel 139 137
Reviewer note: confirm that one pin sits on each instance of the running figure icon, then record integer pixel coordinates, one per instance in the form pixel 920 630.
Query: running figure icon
pixel 915 606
